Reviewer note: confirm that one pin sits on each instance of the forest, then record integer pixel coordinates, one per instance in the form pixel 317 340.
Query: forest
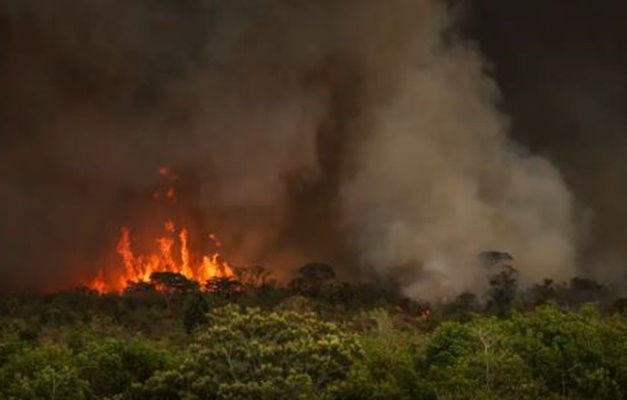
pixel 315 337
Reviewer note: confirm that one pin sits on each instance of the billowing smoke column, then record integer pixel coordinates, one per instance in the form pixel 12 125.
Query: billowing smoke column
pixel 438 181
pixel 361 133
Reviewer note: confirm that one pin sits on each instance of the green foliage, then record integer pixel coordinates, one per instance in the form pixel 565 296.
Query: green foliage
pixel 111 365
pixel 474 361
pixel 386 368
pixel 163 385
pixel 80 345
pixel 10 343
pixel 548 353
pixel 252 354
pixel 43 372
pixel 574 353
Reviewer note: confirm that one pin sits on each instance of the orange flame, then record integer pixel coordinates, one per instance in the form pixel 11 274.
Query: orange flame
pixel 139 268
pixel 172 253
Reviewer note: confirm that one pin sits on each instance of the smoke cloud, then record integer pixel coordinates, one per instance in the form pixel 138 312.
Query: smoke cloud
pixel 561 70
pixel 363 133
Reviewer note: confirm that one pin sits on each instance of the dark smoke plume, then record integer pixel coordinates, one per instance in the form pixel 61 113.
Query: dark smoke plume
pixel 363 133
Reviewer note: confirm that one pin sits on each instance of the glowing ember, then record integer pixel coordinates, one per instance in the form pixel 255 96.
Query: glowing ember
pixel 171 253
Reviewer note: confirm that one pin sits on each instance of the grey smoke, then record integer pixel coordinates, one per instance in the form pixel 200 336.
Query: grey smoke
pixel 562 73
pixel 439 180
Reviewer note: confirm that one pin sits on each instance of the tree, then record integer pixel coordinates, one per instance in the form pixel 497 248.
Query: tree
pixel 386 369
pixel 542 294
pixel 226 288
pixel 583 290
pixel 311 279
pixel 140 287
pixel 475 360
pixel 491 259
pixel 503 285
pixel 577 354
pixel 252 354
pixel 197 307
pixel 163 385
pixel 266 296
pixel 341 295
pixel 251 277
pixel 620 305
pixel 464 306
pixel 172 282
pixel 44 372
pixel 112 366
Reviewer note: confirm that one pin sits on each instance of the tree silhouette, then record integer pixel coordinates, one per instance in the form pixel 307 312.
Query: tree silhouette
pixel 502 291
pixel 195 312
pixel 311 279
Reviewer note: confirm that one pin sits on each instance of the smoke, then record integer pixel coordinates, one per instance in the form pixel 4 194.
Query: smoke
pixel 363 134
pixel 438 180
pixel 562 74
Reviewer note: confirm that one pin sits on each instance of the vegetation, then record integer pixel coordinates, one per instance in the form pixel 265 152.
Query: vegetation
pixel 248 337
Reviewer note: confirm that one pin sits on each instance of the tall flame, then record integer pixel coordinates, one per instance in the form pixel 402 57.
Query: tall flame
pixel 171 253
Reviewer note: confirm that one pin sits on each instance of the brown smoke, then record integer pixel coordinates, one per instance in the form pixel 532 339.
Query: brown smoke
pixel 362 133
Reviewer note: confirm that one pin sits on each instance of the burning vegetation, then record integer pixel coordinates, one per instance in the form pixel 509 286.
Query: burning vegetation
pixel 170 259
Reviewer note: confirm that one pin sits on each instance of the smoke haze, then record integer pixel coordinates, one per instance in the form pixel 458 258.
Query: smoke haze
pixel 366 134
pixel 562 72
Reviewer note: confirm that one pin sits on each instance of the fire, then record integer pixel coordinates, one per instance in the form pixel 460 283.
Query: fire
pixel 171 253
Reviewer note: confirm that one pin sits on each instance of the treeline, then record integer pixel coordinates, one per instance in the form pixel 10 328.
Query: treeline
pixel 249 337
